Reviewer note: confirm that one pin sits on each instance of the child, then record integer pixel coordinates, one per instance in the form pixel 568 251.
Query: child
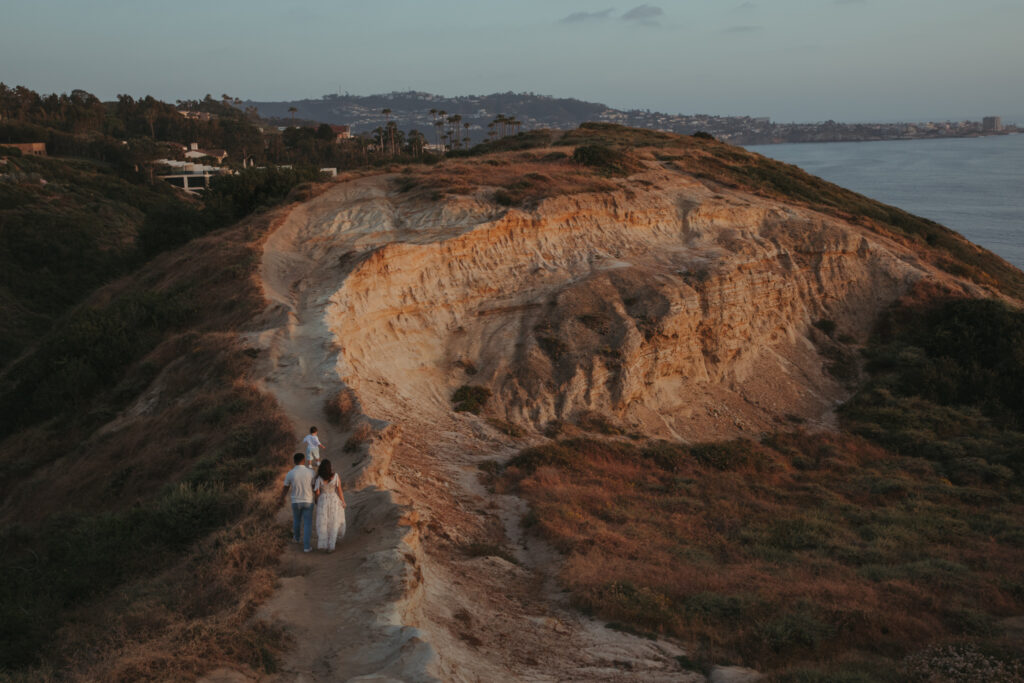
pixel 313 446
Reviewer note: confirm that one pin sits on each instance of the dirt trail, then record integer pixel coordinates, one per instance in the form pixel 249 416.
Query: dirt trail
pixel 345 610
pixel 384 607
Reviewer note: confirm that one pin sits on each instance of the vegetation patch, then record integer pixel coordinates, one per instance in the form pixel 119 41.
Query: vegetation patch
pixel 605 160
pixel 342 408
pixel 802 546
pixel 153 542
pixel 947 385
pixel 471 399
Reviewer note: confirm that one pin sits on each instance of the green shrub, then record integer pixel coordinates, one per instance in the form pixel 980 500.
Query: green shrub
pixel 726 455
pixel 947 384
pixel 564 455
pixel 504 197
pixel 471 399
pixel 605 160
pixel 795 629
pixel 79 556
pixel 89 352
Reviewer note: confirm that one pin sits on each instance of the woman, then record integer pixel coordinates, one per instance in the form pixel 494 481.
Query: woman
pixel 330 507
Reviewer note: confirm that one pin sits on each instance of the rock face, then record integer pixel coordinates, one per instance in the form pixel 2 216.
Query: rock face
pixel 673 309
pixel 654 304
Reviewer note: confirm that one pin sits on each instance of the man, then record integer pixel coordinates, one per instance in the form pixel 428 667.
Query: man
pixel 313 447
pixel 300 481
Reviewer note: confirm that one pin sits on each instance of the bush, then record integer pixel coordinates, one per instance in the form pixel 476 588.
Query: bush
pixel 605 160
pixel 82 556
pixel 947 384
pixel 88 353
pixel 234 196
pixel 504 198
pixel 471 399
pixel 341 408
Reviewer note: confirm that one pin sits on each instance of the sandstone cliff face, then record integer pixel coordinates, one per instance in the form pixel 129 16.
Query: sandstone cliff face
pixel 677 310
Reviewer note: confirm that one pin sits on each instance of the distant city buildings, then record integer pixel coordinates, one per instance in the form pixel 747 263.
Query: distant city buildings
pixel 992 124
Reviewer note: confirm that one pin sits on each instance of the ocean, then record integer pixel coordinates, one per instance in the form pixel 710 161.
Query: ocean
pixel 972 185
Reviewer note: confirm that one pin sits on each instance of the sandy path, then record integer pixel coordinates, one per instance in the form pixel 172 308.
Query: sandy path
pixel 344 610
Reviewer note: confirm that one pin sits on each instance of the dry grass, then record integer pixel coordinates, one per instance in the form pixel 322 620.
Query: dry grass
pixel 806 547
pixel 342 408
pixel 520 179
pixel 155 539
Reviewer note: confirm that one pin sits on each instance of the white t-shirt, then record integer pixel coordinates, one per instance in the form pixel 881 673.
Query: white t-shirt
pixel 300 480
pixel 312 441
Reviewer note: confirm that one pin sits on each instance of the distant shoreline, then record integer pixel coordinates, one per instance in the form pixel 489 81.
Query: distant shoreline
pixel 880 139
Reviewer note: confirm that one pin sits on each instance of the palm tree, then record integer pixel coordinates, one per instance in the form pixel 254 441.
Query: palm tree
pixel 467 138
pixel 456 119
pixel 391 128
pixel 150 115
pixel 292 111
pixel 438 125
pixel 387 117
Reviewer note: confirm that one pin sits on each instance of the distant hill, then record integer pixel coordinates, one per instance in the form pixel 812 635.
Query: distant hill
pixel 411 110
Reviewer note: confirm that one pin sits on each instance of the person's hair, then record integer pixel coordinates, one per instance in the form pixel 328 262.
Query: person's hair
pixel 299 457
pixel 325 471
pixel 312 430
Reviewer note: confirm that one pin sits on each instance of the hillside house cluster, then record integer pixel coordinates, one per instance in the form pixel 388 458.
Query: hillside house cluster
pixel 34 149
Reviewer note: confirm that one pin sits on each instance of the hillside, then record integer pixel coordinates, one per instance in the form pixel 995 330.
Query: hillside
pixel 609 404
pixel 413 110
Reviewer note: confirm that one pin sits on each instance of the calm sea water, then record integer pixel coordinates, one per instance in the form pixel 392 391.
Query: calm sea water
pixel 972 185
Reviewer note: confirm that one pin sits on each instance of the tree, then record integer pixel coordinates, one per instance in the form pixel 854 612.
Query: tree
pixel 387 117
pixel 325 132
pixel 292 111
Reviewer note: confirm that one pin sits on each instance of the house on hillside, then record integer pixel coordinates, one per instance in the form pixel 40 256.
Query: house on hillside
pixel 193 152
pixel 341 133
pixel 34 149
pixel 190 177
pixel 197 115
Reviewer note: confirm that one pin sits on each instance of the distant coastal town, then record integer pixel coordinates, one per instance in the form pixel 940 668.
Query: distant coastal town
pixel 412 110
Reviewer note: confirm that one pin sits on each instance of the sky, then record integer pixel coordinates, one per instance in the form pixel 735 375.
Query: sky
pixel 792 60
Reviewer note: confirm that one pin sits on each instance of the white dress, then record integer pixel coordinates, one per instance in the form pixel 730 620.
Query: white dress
pixel 330 515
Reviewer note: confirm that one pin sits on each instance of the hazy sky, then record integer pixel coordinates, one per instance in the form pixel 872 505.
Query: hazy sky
pixel 802 60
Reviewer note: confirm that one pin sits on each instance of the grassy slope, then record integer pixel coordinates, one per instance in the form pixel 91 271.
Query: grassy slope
pixel 151 538
pixel 66 227
pixel 828 553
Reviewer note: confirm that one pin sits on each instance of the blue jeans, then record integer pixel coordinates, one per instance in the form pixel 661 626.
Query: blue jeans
pixel 302 518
